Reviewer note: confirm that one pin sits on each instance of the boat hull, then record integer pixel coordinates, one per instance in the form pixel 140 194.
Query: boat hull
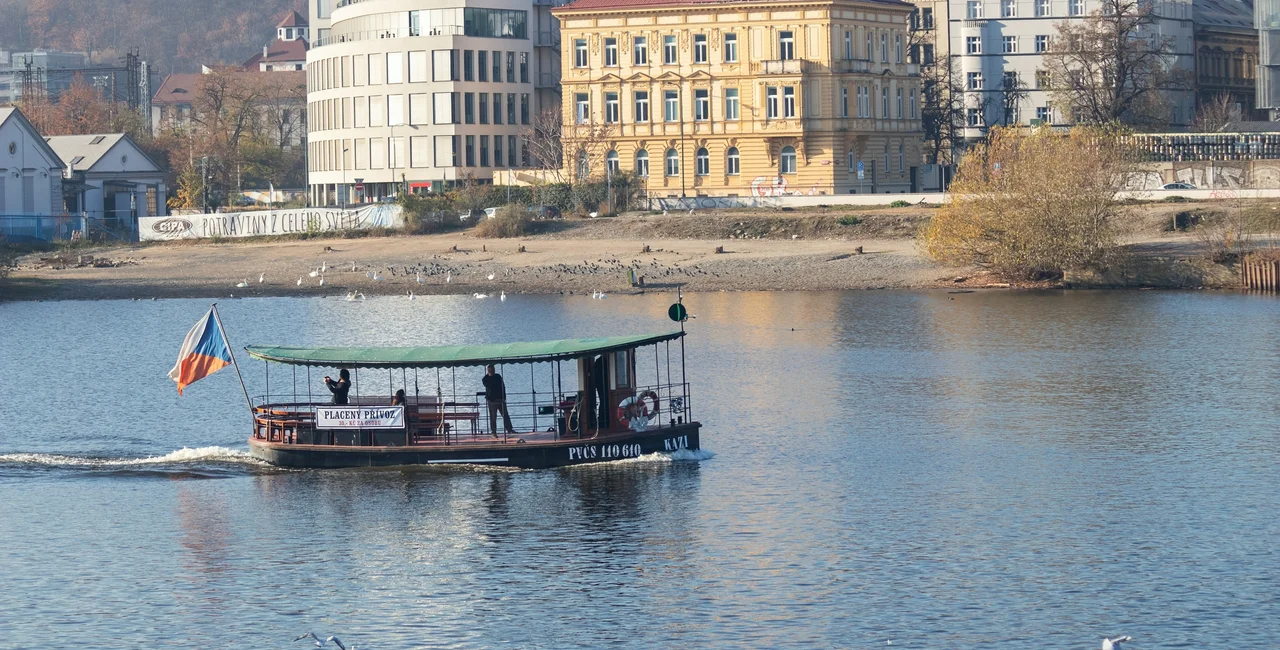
pixel 529 456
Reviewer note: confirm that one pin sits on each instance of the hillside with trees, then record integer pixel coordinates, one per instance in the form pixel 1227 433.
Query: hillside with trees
pixel 173 35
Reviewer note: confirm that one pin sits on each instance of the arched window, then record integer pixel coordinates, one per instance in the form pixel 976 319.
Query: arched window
pixel 642 163
pixel 611 161
pixel 787 161
pixel 584 165
pixel 673 163
pixel 702 162
pixel 731 162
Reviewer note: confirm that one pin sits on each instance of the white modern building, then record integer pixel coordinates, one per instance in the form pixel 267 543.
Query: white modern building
pixel 1266 18
pixel 418 94
pixel 990 39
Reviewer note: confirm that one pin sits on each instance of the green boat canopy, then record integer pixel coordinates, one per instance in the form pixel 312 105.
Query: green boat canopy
pixel 447 356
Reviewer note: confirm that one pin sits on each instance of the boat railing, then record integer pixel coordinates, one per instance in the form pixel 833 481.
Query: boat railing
pixel 457 419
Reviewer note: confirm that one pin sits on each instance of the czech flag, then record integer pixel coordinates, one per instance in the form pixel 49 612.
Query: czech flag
pixel 204 352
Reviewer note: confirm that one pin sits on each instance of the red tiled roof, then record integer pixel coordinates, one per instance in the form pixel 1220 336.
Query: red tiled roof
pixel 280 51
pixel 294 19
pixel 636 4
pixel 177 89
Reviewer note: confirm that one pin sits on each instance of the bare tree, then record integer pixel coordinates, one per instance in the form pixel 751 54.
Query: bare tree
pixel 1215 114
pixel 1114 66
pixel 1013 91
pixel 568 151
pixel 542 141
pixel 941 97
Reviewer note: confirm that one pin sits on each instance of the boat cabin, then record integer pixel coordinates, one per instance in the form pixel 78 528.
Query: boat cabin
pixel 624 389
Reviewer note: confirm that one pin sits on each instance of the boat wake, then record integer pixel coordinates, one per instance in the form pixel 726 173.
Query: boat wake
pixel 200 456
pixel 679 455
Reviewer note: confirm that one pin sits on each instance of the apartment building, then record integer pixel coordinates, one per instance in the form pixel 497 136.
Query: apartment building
pixel 417 95
pixel 1000 44
pixel 744 98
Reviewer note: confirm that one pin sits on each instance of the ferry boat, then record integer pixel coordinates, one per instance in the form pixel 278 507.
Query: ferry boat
pixel 570 402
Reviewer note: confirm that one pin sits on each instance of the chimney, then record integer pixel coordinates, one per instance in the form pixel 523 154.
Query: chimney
pixel 266 51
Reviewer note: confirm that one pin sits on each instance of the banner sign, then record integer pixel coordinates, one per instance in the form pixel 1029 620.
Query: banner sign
pixel 359 417
pixel 268 222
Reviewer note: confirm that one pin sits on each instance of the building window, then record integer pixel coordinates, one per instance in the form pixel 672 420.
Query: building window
pixel 897 47
pixel 524 67
pixel 771 102
pixel 1010 80
pixel 848 45
pixel 1042 43
pixel 911 103
pixel 1042 79
pixel 927 54
pixel 699 48
pixel 497 151
pixel 497 67
pixel 731 162
pixel 611 52
pixel 673 163
pixel 580 53
pixel 702 162
pixel 611 162
pixel 1008 8
pixel 901 158
pixel 610 108
pixel 669 50
pixel 497 108
pixel 974 9
pixel 469 107
pixel 1042 7
pixel 642 163
pixel 484 108
pixel 1010 44
pixel 471 151
pixel 973 81
pixel 973 117
pixel 973 45
pixel 511 67
pixel 482 65
pixel 468 69
pixel 789 101
pixel 495 23
pixel 511 152
pixel 484 150
pixel 787 160
pixel 584 165
pixel 1042 114
pixel 1075 7
pixel 642 107
pixel 730 48
pixel 786 46
pixel 899 103
pixel 927 18
pixel 671 104
pixel 639 46
pixel 884 47
pixel 524 108
pixel 730 103
pixel 886 157
pixel 869 52
pixel 701 105
pixel 582 108
pixel 884 102
pixel 844 102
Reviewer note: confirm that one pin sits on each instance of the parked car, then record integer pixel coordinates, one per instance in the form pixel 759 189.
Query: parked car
pixel 1177 186
pixel 545 211
pixel 490 213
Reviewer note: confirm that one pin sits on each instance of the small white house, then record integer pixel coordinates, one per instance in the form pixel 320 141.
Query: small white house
pixel 110 178
pixel 30 170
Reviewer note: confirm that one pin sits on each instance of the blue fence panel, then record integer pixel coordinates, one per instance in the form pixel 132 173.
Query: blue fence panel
pixel 20 227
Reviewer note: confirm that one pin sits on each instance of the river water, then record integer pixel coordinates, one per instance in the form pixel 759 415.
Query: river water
pixel 928 469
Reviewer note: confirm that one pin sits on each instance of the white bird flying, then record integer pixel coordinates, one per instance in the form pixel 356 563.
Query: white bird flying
pixel 1113 643
pixel 313 636
pixel 351 296
pixel 337 642
pixel 242 284
pixel 361 294
pixel 262 277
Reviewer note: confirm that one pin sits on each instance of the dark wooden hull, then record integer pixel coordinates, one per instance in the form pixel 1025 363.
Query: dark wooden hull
pixel 529 455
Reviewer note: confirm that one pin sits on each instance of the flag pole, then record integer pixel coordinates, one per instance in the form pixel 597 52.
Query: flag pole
pixel 223 331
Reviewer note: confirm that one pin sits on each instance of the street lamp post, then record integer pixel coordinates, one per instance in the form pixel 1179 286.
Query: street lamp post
pixel 345 191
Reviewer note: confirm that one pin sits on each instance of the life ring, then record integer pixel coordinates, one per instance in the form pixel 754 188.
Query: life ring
pixel 634 409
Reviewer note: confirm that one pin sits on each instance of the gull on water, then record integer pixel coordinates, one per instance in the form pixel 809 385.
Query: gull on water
pixel 242 284
pixel 479 296
pixel 448 277
pixel 1113 643
pixel 502 296
pixel 411 296
pixel 376 277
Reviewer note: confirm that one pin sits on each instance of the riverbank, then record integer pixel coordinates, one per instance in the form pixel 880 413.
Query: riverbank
pixel 821 249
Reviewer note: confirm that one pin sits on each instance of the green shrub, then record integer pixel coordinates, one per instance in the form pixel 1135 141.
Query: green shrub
pixel 900 204
pixel 510 221
pixel 849 220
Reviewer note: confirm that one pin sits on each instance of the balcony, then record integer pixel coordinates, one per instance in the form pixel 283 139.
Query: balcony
pixel 854 65
pixel 785 66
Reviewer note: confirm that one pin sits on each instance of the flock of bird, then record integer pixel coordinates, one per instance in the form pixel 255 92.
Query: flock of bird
pixel 321 644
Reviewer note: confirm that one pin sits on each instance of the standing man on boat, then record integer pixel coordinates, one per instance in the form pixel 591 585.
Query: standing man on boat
pixel 339 388
pixel 495 395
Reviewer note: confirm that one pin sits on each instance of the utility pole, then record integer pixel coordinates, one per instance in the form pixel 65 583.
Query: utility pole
pixel 204 182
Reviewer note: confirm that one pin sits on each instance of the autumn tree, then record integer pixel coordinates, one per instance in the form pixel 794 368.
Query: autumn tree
pixel 1114 66
pixel 1033 204
pixel 1215 114
pixel 569 151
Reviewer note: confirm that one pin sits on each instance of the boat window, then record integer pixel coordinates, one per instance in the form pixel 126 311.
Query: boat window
pixel 621 376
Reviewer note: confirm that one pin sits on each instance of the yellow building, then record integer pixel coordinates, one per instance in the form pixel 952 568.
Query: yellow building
pixel 742 98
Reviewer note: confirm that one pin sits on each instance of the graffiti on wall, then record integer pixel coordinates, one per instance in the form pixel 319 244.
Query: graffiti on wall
pixel 1210 175
pixel 766 186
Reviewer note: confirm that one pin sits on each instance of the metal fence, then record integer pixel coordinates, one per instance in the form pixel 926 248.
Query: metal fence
pixel 19 228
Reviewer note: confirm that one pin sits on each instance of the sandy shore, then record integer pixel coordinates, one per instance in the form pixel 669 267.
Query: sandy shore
pixel 459 263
